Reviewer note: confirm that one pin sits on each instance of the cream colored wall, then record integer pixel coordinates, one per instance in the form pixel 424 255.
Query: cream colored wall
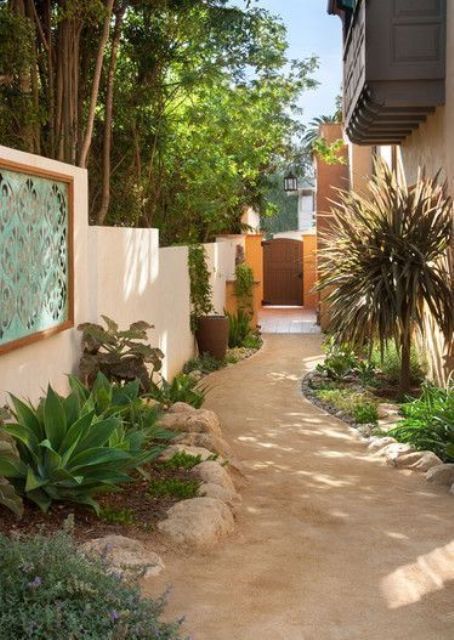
pixel 122 273
pixel 221 264
pixel 27 370
pixel 132 279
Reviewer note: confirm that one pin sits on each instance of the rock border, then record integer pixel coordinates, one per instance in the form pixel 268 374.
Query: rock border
pixel 396 454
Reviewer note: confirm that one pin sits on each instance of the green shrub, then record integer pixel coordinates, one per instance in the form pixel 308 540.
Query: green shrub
pixel 65 452
pixel 204 363
pixel 365 413
pixel 48 591
pixel 252 341
pixel 244 287
pixel 183 388
pixel 391 365
pixel 174 488
pixel 428 422
pixel 200 287
pixel 239 328
pixel 122 356
pixel 339 362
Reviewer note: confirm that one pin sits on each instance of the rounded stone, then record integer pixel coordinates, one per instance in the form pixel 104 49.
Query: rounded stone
pixel 199 522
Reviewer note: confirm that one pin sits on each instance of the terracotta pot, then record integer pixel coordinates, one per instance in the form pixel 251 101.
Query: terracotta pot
pixel 213 335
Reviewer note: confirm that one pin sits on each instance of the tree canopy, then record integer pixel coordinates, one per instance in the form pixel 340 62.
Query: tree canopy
pixel 180 109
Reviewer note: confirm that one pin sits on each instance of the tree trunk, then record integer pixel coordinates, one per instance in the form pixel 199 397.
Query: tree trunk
pixel 95 86
pixel 405 367
pixel 107 143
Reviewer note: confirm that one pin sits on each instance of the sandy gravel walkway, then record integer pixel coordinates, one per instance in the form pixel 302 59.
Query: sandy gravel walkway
pixel 330 544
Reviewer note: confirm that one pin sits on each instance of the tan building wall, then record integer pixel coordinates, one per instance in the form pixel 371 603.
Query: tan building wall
pixel 309 246
pixel 329 178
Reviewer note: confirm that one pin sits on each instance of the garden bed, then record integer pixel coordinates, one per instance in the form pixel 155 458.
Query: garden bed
pixel 133 512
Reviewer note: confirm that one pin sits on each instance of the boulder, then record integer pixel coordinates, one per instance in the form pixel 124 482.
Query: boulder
pixel 441 475
pixel 199 522
pixel 365 430
pixel 193 421
pixel 416 460
pixel 209 441
pixel 125 556
pixel 376 443
pixel 181 407
pixel 387 410
pixel 388 423
pixel 204 454
pixel 212 472
pixel 392 451
pixel 212 490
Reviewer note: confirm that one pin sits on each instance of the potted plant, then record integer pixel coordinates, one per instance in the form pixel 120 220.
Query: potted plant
pixel 210 329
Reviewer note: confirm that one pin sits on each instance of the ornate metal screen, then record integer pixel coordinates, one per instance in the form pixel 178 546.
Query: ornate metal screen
pixel 35 261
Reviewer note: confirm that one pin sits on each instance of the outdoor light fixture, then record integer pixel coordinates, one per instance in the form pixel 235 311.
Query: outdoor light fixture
pixel 290 183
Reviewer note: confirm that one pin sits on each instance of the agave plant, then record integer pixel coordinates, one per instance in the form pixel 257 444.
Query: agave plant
pixel 239 327
pixel 65 452
pixel 383 263
pixel 109 398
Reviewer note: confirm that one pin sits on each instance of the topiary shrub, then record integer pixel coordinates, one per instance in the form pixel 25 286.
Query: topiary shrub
pixel 48 591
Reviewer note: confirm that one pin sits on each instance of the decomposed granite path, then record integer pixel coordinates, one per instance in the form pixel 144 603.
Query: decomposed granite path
pixel 330 544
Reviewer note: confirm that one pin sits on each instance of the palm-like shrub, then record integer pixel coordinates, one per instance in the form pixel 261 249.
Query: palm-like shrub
pixel 65 452
pixel 384 264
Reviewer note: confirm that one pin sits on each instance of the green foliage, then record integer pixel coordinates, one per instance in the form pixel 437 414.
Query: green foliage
pixel 365 413
pixel 383 263
pixel 330 153
pixel 428 422
pixel 125 401
pixel 183 388
pixel 359 406
pixel 122 356
pixel 366 372
pixel 118 516
pixel 182 460
pixel 174 488
pixel 244 287
pixel 340 361
pixel 239 328
pixel 199 277
pixel 390 364
pixel 252 341
pixel 9 497
pixel 67 453
pixel 204 363
pixel 48 590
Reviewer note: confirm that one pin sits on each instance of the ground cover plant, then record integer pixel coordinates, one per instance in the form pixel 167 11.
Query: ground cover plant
pixel 383 264
pixel 49 591
pixel 360 406
pixel 428 422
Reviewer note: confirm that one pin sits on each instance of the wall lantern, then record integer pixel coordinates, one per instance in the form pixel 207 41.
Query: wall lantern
pixel 290 183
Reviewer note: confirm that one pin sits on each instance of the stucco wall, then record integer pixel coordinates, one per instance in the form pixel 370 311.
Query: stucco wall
pixel 122 273
pixel 132 279
pixel 28 369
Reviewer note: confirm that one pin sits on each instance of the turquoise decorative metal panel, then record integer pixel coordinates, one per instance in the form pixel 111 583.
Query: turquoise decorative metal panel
pixel 34 254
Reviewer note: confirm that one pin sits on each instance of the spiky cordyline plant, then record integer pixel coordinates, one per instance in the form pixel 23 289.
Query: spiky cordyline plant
pixel 383 263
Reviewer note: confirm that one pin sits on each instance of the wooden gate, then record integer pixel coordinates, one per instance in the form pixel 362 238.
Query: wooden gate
pixel 283 272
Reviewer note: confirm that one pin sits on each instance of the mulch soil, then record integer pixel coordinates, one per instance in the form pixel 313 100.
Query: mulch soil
pixel 146 511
